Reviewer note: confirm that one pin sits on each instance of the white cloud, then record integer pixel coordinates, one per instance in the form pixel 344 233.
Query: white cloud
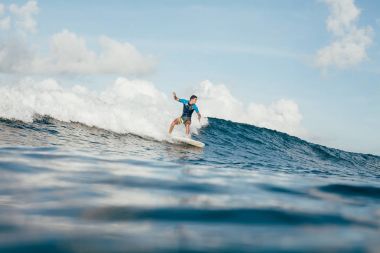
pixel 5 22
pixel 343 14
pixel 25 15
pixel 2 9
pixel 69 54
pixel 346 51
pixel 350 42
pixel 282 115
pixel 15 55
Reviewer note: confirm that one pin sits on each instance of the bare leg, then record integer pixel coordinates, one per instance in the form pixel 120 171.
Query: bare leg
pixel 172 125
pixel 187 128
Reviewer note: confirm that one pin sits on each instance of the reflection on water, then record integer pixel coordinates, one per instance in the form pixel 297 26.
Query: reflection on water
pixel 65 187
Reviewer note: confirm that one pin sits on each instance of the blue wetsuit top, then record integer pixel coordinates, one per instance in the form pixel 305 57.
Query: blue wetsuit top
pixel 187 108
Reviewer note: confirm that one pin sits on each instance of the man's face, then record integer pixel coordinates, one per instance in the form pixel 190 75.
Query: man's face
pixel 193 101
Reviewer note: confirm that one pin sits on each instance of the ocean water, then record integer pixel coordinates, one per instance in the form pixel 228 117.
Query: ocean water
pixel 67 187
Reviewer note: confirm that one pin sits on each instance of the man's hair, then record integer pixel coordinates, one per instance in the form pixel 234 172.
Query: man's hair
pixel 193 96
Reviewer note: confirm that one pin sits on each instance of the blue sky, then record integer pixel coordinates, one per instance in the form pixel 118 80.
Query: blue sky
pixel 261 50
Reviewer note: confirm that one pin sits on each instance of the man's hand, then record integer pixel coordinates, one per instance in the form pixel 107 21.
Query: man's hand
pixel 199 117
pixel 175 96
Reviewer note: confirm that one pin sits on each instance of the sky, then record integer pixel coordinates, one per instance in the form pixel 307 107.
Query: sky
pixel 318 59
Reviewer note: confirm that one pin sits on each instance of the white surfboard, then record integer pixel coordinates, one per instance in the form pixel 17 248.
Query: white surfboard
pixel 188 141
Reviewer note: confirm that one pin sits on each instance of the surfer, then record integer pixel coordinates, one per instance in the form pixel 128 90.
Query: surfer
pixel 189 107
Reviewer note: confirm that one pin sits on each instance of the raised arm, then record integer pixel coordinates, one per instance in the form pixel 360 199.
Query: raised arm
pixel 175 96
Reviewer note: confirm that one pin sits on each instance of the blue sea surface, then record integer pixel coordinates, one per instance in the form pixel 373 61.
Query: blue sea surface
pixel 67 187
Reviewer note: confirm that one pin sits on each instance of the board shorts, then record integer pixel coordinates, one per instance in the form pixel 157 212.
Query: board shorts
pixel 183 120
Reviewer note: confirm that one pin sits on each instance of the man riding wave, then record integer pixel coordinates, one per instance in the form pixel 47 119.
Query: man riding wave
pixel 189 107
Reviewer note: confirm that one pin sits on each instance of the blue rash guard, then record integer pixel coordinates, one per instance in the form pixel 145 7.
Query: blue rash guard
pixel 187 110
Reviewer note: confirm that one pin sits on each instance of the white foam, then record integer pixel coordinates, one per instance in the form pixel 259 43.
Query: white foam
pixel 128 106
pixel 138 107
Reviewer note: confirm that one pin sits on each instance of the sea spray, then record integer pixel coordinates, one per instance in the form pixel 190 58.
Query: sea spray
pixel 128 106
